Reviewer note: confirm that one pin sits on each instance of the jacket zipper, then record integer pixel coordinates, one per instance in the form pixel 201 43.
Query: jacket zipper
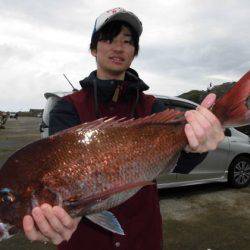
pixel 116 94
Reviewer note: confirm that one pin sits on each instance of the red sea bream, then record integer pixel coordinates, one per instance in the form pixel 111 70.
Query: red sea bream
pixel 93 167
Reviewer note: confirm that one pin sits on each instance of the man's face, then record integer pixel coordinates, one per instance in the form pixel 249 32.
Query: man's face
pixel 114 58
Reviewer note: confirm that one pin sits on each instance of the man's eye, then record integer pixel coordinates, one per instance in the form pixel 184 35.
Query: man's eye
pixel 107 41
pixel 128 41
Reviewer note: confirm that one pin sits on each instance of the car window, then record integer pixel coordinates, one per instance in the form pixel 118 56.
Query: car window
pixel 227 132
pixel 177 104
pixel 51 101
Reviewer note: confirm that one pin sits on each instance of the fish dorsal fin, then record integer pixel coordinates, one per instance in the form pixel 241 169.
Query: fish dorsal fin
pixel 165 117
pixel 83 126
pixel 96 124
pixel 106 220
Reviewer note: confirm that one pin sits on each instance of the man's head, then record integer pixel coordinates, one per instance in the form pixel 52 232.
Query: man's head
pixel 108 25
pixel 110 30
pixel 115 40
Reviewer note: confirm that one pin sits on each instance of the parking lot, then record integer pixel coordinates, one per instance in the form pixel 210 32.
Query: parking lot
pixel 199 218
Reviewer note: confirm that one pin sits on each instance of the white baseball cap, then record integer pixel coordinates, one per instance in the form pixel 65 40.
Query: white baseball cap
pixel 121 15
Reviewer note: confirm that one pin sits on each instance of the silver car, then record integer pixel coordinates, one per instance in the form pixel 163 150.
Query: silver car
pixel 230 162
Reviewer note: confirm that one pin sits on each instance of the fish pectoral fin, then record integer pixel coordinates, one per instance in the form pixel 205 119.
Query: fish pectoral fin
pixel 106 220
pixel 128 187
pixel 87 201
pixel 83 204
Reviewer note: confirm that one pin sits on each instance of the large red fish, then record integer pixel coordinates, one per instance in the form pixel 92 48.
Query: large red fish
pixel 95 166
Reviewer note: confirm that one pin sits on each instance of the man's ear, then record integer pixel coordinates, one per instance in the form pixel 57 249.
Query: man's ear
pixel 93 52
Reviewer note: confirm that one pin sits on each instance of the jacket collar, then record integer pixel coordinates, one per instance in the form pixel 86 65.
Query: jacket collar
pixel 131 77
pixel 105 90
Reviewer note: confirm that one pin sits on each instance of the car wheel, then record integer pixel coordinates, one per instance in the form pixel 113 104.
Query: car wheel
pixel 239 172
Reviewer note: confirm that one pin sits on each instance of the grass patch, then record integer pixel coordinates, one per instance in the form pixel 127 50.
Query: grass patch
pixel 4 150
pixel 21 243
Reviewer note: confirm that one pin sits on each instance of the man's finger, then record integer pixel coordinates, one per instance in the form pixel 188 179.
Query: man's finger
pixel 218 132
pixel 52 219
pixel 209 116
pixel 208 100
pixel 64 217
pixel 192 140
pixel 44 226
pixel 30 229
pixel 197 130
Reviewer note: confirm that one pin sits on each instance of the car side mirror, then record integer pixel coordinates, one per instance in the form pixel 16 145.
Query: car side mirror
pixel 227 132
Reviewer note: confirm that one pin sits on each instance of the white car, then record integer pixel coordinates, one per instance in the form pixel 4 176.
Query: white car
pixel 230 162
pixel 13 115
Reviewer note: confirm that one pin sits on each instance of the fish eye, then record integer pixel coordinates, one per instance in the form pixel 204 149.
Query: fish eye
pixel 6 196
pixel 248 102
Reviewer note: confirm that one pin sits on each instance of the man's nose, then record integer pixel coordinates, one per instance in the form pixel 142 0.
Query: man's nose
pixel 118 45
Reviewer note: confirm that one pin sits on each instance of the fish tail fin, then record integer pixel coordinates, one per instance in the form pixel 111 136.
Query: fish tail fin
pixel 233 109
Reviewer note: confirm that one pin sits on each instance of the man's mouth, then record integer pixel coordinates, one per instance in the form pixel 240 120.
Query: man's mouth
pixel 116 59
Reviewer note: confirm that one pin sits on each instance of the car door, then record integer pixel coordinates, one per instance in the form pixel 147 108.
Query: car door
pixel 213 166
pixel 166 177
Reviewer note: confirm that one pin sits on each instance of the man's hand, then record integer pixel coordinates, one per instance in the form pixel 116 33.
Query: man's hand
pixel 52 224
pixel 203 130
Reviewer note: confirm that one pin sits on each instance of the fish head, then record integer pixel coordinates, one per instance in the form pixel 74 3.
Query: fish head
pixel 17 184
pixel 11 213
pixel 14 205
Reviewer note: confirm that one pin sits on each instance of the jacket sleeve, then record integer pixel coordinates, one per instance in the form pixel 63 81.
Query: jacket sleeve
pixel 62 116
pixel 187 161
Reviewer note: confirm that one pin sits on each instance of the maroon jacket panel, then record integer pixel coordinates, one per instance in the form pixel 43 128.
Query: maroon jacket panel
pixel 139 216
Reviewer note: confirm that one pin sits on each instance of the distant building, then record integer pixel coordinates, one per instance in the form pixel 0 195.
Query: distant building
pixel 36 112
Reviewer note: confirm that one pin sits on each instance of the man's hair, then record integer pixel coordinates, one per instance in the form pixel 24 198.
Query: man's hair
pixel 109 31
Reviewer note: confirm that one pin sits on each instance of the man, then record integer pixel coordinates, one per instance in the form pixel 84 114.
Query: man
pixel 114 89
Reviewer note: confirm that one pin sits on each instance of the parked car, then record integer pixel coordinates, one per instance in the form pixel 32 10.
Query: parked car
pixel 230 162
pixel 13 115
pixel 51 99
pixel 3 118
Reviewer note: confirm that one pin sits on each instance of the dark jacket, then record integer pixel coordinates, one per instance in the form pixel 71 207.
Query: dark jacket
pixel 140 215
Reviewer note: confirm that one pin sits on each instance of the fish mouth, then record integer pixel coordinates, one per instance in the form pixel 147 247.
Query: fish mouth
pixel 7 231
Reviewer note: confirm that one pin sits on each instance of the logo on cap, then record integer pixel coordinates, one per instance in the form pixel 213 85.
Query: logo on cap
pixel 115 10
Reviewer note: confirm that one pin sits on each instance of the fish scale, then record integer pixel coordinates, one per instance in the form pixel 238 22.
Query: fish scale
pixel 120 168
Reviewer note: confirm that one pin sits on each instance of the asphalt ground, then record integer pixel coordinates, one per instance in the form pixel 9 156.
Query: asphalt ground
pixel 200 217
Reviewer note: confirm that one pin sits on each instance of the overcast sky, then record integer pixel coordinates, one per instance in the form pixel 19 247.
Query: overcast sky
pixel 185 45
